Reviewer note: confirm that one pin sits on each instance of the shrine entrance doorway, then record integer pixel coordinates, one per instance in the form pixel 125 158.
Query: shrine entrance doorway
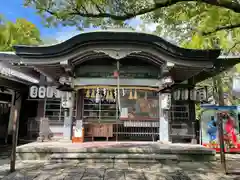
pixel 138 119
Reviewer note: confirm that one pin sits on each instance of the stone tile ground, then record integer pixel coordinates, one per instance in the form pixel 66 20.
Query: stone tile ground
pixel 119 170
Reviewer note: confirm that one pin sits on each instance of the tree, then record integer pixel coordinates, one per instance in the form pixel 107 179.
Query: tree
pixel 20 32
pixel 101 12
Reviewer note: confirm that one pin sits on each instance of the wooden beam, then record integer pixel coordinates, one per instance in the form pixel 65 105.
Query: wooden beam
pixel 13 84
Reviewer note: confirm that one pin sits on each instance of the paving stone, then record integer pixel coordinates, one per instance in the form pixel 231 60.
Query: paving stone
pixel 121 164
pixel 170 168
pixel 134 175
pixel 155 168
pixel 192 165
pixel 154 176
pixel 91 178
pixel 140 165
pixel 75 170
pixel 94 172
pixel 103 165
pixel 42 176
pixel 122 170
pixel 60 176
pixel 113 174
pixel 75 177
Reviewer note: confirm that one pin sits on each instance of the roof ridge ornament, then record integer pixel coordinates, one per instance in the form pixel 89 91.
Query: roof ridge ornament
pixel 116 53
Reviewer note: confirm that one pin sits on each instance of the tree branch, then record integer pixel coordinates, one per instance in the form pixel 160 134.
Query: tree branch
pixel 220 3
pixel 231 5
pixel 229 27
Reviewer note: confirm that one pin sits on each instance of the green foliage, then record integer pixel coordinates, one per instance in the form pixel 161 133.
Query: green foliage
pixel 21 32
pixel 194 22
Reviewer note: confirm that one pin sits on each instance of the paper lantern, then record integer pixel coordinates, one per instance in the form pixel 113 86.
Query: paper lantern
pixel 33 92
pixel 42 92
pixel 184 94
pixel 176 94
pixel 193 95
pixel 49 92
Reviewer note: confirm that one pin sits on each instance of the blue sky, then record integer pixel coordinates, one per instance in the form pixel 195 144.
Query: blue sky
pixel 13 9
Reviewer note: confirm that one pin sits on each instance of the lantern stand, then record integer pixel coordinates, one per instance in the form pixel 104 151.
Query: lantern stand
pixel 68 110
pixel 221 135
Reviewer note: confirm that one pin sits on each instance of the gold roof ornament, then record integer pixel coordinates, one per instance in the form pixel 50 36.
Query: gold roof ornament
pixel 130 94
pixel 93 94
pixel 88 93
pixel 135 94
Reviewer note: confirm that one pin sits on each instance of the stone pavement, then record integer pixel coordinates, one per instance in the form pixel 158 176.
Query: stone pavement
pixel 119 170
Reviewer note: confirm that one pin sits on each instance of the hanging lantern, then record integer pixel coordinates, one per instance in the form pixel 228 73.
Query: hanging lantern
pixel 42 92
pixel 49 92
pixel 184 94
pixel 193 95
pixel 202 94
pixel 33 92
pixel 135 94
pixel 130 94
pixel 177 94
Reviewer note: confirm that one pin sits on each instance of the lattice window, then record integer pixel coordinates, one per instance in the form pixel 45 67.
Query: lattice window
pixel 54 110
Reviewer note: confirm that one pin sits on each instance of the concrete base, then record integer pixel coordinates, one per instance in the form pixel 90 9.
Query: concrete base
pixel 111 151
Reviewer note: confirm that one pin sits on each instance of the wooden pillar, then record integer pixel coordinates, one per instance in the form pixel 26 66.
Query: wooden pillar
pixel 16 109
pixel 79 101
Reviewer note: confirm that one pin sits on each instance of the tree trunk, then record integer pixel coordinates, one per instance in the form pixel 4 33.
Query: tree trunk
pixel 219 87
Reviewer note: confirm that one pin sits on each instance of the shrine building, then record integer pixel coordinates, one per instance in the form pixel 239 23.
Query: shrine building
pixel 121 85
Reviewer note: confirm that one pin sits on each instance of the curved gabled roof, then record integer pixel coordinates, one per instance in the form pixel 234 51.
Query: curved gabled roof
pixel 114 37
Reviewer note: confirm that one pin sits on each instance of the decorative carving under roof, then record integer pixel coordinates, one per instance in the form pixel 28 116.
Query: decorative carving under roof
pixel 116 53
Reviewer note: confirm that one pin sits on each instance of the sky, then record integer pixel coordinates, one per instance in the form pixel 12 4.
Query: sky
pixel 14 9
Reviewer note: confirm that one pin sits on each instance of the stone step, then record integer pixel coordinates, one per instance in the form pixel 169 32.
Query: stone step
pixel 112 156
pixel 138 157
